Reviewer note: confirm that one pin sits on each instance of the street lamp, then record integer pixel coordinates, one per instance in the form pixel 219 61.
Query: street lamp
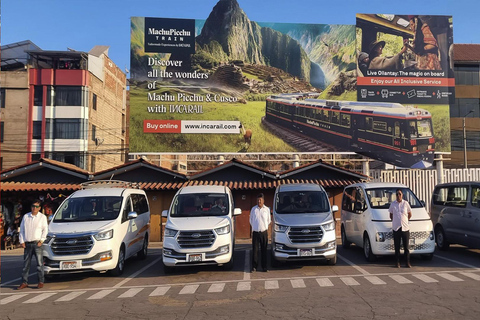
pixel 465 141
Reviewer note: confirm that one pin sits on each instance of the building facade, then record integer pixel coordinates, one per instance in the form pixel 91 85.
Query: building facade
pixel 68 106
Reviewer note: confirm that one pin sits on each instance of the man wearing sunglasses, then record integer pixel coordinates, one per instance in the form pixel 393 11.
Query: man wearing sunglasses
pixel 33 231
pixel 400 214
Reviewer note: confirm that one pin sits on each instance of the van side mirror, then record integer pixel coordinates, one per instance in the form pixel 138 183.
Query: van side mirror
pixel 334 208
pixel 237 211
pixel 132 215
pixel 165 213
pixel 423 203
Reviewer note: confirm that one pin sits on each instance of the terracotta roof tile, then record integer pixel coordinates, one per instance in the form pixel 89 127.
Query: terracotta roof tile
pixel 466 52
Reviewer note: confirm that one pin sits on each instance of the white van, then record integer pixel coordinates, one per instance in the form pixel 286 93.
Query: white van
pixel 304 227
pixel 366 220
pixel 97 229
pixel 200 228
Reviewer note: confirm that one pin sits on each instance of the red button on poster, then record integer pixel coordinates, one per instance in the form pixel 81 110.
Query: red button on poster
pixel 162 126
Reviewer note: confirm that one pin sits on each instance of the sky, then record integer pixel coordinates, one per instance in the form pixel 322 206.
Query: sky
pixel 80 25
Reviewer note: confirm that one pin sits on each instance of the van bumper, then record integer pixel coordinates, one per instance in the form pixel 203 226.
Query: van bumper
pixel 283 249
pixel 174 256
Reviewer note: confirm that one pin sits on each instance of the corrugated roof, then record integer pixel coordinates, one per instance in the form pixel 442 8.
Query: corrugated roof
pixel 133 164
pixel 466 52
pixel 233 162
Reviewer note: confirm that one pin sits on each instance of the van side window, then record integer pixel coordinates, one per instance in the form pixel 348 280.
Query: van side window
pixel 475 196
pixel 127 209
pixel 457 196
pixel 139 203
pixel 440 196
pixel 348 200
pixel 360 204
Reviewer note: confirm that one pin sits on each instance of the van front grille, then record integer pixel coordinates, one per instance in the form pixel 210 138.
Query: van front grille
pixel 71 246
pixel 305 234
pixel 196 239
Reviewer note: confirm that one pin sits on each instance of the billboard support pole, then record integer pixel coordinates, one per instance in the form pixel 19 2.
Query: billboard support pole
pixel 439 165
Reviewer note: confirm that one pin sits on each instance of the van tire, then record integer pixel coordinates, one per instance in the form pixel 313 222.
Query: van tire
pixel 367 249
pixel 441 239
pixel 142 254
pixel 120 263
pixel 345 243
pixel 332 261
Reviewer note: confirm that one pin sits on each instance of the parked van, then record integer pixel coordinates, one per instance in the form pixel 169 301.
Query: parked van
pixel 97 229
pixel 304 226
pixel 366 220
pixel 455 212
pixel 200 228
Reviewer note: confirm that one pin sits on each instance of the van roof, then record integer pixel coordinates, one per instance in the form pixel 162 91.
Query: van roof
pixel 104 192
pixel 299 187
pixel 371 185
pixel 462 183
pixel 203 189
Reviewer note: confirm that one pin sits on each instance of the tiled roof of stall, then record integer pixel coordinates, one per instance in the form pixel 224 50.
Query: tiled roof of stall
pixel 466 52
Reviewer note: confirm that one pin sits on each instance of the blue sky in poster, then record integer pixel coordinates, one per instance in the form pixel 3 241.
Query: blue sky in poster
pixel 58 24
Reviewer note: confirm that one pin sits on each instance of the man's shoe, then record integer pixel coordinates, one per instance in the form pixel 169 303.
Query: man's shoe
pixel 265 270
pixel 253 270
pixel 40 285
pixel 22 286
pixel 397 265
pixel 408 265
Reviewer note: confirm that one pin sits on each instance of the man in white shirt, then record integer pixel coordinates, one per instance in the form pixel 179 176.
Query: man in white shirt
pixel 33 232
pixel 400 214
pixel 260 220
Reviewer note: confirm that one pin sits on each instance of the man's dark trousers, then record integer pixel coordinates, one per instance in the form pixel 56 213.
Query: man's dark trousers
pixel 260 239
pixel 405 237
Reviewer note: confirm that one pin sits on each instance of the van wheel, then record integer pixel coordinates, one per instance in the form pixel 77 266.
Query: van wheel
pixel 367 249
pixel 120 263
pixel 428 256
pixel 333 261
pixel 142 254
pixel 345 243
pixel 441 239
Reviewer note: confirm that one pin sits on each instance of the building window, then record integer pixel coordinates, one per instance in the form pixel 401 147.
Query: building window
pixel 467 74
pixel 92 163
pixel 68 128
pixel 68 96
pixel 463 106
pixel 37 130
pixel 94 132
pixel 94 102
pixel 38 96
pixel 2 97
pixel 75 158
pixel 1 131
pixel 36 156
pixel 473 140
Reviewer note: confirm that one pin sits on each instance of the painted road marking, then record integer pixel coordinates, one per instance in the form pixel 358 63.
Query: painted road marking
pixel 400 279
pixel 71 296
pixel 133 275
pixel 474 276
pixel 216 287
pixel 244 286
pixel 424 278
pixel 100 294
pixel 271 284
pixel 449 277
pixel 160 291
pixel 324 282
pixel 375 280
pixel 190 289
pixel 361 270
pixel 11 298
pixel 350 281
pixel 131 293
pixel 458 262
pixel 298 283
pixel 246 269
pixel 40 297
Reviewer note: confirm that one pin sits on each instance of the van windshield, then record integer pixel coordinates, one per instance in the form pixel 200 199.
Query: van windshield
pixel 301 202
pixel 200 205
pixel 381 198
pixel 88 209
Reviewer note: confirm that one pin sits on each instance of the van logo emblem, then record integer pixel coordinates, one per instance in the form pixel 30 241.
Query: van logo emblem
pixel 196 235
pixel 72 241
pixel 305 231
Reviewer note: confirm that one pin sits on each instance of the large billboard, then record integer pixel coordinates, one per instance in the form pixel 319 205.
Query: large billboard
pixel 229 84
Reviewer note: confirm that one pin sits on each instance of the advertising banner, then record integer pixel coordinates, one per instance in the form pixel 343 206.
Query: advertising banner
pixel 229 84
pixel 405 58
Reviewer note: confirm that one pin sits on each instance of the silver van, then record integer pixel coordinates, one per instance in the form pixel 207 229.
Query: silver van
pixel 455 213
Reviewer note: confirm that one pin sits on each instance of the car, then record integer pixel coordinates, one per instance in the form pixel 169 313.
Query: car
pixel 455 211
pixel 303 224
pixel 97 229
pixel 200 228
pixel 365 220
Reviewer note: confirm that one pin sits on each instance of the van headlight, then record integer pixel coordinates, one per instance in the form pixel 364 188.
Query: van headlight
pixel 169 233
pixel 223 230
pixel 329 226
pixel 280 228
pixel 105 235
pixel 380 237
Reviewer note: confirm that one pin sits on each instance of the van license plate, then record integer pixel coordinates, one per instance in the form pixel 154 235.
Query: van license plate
pixel 194 258
pixel 70 265
pixel 305 252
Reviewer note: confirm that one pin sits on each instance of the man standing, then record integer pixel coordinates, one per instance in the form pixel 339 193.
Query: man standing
pixel 400 214
pixel 260 220
pixel 33 231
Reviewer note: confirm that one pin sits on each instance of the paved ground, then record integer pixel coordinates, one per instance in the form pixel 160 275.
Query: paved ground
pixel 447 287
